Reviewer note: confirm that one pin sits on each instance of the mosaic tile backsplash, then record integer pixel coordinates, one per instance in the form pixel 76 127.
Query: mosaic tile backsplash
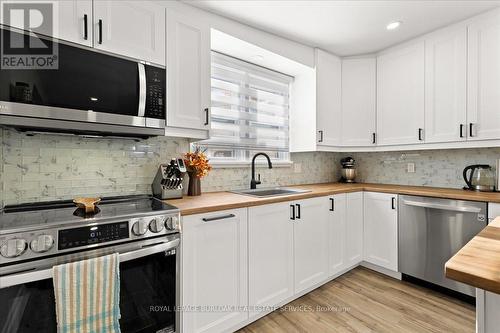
pixel 438 168
pixel 52 167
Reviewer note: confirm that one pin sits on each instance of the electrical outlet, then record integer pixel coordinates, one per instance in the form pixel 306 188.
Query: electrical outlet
pixel 410 168
pixel 297 167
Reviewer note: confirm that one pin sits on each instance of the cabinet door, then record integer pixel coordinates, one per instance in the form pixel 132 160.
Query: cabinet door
pixel 445 85
pixel 188 72
pixel 270 254
pixel 400 95
pixel 381 230
pixel 214 263
pixel 131 28
pixel 337 232
pixel 358 101
pixel 73 21
pixel 328 98
pixel 483 106
pixel 311 242
pixel 354 229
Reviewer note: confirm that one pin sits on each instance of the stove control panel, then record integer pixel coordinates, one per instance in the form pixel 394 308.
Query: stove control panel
pixel 83 236
pixel 51 241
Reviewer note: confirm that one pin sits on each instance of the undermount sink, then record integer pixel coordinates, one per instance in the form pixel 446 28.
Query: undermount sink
pixel 270 192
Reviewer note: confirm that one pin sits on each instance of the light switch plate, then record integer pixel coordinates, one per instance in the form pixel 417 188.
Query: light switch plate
pixel 410 168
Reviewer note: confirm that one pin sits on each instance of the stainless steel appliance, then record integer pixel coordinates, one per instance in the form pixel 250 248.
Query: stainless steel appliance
pixel 498 176
pixel 481 178
pixel 34 238
pixel 90 92
pixel 167 183
pixel 431 231
pixel 348 170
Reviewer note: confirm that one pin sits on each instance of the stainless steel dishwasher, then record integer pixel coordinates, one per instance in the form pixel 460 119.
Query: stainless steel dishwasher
pixel 431 231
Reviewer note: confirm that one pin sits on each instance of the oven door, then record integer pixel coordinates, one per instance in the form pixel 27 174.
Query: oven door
pixel 148 293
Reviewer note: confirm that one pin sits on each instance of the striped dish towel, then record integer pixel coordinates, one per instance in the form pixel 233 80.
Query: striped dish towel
pixel 87 295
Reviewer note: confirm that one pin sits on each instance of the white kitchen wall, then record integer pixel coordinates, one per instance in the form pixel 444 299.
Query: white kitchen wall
pixel 439 168
pixel 52 167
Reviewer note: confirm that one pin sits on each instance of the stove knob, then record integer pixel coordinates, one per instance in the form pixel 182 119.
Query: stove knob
pixel 156 225
pixel 13 248
pixel 42 243
pixel 172 223
pixel 140 227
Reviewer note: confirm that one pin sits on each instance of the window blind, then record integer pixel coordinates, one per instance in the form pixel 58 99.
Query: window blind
pixel 250 107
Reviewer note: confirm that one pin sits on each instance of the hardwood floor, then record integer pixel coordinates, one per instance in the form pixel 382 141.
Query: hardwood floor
pixel 365 301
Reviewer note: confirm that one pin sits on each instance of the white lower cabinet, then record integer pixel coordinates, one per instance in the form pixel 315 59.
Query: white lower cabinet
pixel 311 242
pixel 337 232
pixel 214 264
pixel 345 231
pixel 354 229
pixel 381 230
pixel 270 255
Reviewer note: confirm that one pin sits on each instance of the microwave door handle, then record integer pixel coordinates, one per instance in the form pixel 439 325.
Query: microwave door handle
pixel 142 90
pixel 43 274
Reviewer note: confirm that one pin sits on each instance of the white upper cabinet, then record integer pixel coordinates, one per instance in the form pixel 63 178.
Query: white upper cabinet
pixel 445 85
pixel 328 98
pixel 381 230
pixel 73 22
pixel 215 267
pixel 483 105
pixel 270 255
pixel 188 72
pixel 131 28
pixel 311 242
pixel 400 95
pixel 358 101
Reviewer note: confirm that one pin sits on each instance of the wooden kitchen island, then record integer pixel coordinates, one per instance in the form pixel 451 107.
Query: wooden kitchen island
pixel 478 264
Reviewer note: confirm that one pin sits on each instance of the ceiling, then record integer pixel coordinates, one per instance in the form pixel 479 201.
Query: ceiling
pixel 345 27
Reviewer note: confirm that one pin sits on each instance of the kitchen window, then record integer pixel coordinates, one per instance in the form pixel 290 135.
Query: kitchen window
pixel 249 113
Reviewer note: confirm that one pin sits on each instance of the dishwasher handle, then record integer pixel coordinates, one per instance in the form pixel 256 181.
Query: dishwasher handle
pixel 463 209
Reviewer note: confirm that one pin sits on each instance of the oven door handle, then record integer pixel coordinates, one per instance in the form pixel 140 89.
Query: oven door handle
pixel 38 275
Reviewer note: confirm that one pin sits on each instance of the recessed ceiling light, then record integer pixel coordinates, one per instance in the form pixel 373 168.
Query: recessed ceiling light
pixel 257 57
pixel 393 25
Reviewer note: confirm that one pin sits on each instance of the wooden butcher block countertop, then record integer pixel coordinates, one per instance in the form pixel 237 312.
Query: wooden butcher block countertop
pixel 478 262
pixel 214 201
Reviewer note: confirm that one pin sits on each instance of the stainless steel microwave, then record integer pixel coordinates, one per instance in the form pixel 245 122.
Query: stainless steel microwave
pixel 89 92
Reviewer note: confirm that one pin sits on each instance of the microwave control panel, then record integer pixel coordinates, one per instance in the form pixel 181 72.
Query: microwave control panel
pixel 155 92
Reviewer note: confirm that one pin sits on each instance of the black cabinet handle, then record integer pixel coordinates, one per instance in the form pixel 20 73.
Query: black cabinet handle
pixel 374 138
pixel 206 116
pixel 420 131
pixel 332 206
pixel 471 127
pixel 208 219
pixel 393 203
pixel 100 31
pixel 292 213
pixel 85 27
pixel 461 130
pixel 320 136
pixel 298 210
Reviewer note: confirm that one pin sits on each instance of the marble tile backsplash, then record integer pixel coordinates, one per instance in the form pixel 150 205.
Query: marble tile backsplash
pixel 52 167
pixel 439 168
